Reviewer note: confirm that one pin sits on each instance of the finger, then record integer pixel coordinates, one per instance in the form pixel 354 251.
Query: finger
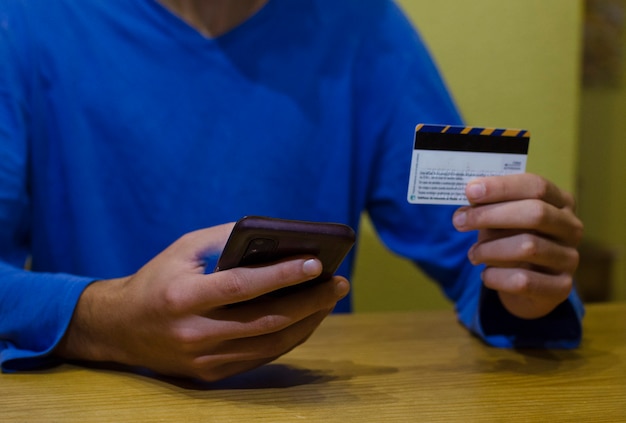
pixel 527 249
pixel 528 294
pixel 496 189
pixel 523 215
pixel 488 234
pixel 269 345
pixel 265 315
pixel 272 313
pixel 239 355
pixel 202 292
pixel 213 374
pixel 528 283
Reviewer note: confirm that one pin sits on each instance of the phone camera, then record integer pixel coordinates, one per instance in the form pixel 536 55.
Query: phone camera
pixel 260 249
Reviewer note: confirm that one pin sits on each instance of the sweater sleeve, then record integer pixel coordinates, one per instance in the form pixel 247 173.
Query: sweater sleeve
pixel 35 308
pixel 413 92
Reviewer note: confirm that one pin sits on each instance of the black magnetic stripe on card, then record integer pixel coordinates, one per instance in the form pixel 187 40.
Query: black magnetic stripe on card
pixel 471 142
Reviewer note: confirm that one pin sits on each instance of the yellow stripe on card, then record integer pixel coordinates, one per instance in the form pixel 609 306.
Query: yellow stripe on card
pixel 511 132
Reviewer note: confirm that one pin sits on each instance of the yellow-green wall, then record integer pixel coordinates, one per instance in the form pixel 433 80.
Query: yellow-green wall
pixel 509 63
pixel 602 192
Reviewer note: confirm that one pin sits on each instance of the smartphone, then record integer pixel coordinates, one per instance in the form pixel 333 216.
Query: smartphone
pixel 258 240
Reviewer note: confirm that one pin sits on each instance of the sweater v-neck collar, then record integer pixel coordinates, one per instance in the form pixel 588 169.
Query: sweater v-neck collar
pixel 185 33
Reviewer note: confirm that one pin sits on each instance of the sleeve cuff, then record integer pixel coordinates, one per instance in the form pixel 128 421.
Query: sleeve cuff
pixel 490 321
pixel 30 354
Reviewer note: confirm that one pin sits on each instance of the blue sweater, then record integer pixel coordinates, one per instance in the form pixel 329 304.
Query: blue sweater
pixel 122 128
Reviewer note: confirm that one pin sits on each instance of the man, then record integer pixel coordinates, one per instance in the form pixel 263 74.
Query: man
pixel 132 130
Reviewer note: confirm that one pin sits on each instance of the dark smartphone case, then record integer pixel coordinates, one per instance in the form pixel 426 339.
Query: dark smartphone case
pixel 259 240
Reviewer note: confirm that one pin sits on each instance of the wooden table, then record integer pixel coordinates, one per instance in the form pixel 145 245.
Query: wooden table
pixel 365 367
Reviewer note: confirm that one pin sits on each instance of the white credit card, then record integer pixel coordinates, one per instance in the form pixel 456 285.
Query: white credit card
pixel 446 157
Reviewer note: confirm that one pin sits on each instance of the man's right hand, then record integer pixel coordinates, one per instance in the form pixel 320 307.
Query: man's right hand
pixel 174 319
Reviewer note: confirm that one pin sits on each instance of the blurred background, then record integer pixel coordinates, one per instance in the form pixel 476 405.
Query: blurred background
pixel 555 68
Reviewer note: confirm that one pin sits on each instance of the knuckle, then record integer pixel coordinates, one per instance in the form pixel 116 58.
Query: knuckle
pixel 271 323
pixel 577 231
pixel 208 371
pixel 235 286
pixel 173 301
pixel 565 284
pixel 211 375
pixel 573 260
pixel 541 187
pixel 566 281
pixel 529 246
pixel 570 200
pixel 522 283
pixel 187 339
pixel 537 214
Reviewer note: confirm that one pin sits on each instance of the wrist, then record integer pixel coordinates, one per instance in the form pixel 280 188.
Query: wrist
pixel 95 324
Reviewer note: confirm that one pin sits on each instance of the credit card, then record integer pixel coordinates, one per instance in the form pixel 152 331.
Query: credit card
pixel 446 157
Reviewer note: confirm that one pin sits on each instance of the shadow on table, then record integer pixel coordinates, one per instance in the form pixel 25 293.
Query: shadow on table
pixel 288 375
pixel 270 376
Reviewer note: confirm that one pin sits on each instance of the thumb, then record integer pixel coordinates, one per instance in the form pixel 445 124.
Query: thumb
pixel 196 246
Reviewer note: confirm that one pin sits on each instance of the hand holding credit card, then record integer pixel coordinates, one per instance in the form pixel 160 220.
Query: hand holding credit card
pixel 445 158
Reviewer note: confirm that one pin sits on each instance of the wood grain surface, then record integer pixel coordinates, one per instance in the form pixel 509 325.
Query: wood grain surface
pixel 416 366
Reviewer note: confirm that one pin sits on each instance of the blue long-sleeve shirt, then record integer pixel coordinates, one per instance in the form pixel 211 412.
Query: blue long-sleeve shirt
pixel 122 128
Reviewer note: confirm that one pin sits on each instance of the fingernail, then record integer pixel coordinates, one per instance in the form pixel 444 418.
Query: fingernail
pixel 476 190
pixel 342 288
pixel 312 267
pixel 459 219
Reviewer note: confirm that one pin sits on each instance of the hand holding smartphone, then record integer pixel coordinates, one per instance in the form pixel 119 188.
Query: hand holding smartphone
pixel 258 240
